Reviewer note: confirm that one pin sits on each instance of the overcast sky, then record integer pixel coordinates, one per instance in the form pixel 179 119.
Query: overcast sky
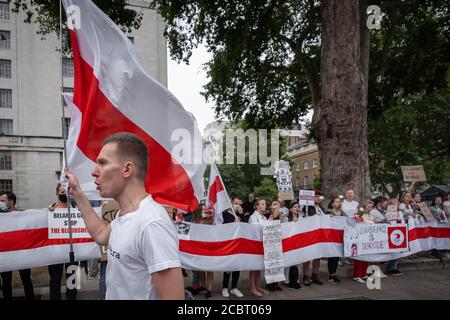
pixel 186 82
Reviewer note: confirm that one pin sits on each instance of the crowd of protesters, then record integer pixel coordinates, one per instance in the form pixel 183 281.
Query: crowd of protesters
pixel 258 210
pixel 254 210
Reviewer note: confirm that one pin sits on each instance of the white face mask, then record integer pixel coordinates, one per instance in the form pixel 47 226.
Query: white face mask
pixel 3 207
pixel 205 215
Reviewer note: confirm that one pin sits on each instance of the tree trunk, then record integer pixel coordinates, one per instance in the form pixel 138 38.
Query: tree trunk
pixel 340 120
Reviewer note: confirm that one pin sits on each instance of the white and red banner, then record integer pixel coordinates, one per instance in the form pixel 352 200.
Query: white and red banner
pixel 24 243
pixel 218 198
pixel 113 93
pixel 363 239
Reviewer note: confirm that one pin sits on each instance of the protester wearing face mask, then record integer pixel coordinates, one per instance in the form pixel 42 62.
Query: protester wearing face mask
pixel 55 271
pixel 232 216
pixel 8 204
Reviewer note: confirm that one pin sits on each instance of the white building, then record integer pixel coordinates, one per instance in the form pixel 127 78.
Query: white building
pixel 31 141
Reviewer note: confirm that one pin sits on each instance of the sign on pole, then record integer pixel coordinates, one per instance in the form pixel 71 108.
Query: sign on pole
pixel 306 197
pixel 413 173
pixel 58 224
pixel 284 180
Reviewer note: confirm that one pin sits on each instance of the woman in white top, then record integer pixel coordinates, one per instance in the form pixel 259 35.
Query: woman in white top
pixel 349 206
pixel 378 213
pixel 406 206
pixel 258 217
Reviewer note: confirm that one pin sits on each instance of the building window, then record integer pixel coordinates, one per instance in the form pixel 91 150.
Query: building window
pixel 305 182
pixel 5 68
pixel 314 164
pixel 6 185
pixel 131 39
pixel 5 160
pixel 68 67
pixel 297 182
pixel 297 167
pixel 5 39
pixel 5 98
pixel 4 10
pixel 67 126
pixel 6 126
pixel 306 165
pixel 66 90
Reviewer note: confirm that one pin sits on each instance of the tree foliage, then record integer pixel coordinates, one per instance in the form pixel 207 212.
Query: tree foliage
pixel 46 13
pixel 265 68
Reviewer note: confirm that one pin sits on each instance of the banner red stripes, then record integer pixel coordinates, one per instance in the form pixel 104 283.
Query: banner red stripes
pixel 423 233
pixel 246 246
pixel 310 238
pixel 32 239
pixel 222 248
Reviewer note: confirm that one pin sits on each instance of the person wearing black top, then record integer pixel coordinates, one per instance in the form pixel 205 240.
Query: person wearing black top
pixel 229 217
pixel 334 209
pixel 310 211
pixel 248 207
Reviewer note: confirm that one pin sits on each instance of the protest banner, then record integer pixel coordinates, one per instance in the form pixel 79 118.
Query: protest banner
pixel 227 247
pixel 364 239
pixel 58 224
pixel 413 173
pixel 306 197
pixel 284 180
pixel 273 252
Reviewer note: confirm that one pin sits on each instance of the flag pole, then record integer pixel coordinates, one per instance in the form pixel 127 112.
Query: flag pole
pixel 236 218
pixel 64 130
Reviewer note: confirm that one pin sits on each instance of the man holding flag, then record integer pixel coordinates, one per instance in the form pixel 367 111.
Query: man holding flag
pixel 123 122
pixel 143 261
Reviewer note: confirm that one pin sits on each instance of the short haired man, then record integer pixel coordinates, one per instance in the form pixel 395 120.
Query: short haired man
pixel 8 204
pixel 143 258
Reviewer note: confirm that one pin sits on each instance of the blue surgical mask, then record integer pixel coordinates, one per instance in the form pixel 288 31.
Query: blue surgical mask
pixel 3 207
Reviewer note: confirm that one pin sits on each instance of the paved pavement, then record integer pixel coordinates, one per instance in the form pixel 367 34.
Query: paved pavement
pixel 424 278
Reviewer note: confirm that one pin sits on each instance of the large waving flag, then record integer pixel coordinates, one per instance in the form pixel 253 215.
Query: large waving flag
pixel 217 194
pixel 113 93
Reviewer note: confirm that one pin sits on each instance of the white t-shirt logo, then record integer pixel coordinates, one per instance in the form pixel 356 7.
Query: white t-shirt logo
pixel 397 237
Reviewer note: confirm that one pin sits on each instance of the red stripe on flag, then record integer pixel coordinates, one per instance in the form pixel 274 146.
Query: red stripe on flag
pixel 32 239
pixel 310 238
pixel 222 248
pixel 423 233
pixel 167 181
pixel 214 189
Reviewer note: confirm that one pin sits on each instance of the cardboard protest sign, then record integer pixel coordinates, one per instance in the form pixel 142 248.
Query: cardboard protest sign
pixel 413 173
pixel 426 212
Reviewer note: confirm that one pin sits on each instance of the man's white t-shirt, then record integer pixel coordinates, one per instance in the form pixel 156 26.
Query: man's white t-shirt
pixel 141 243
pixel 350 208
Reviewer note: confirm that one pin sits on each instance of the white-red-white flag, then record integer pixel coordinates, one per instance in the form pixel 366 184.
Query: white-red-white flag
pixel 113 93
pixel 217 195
